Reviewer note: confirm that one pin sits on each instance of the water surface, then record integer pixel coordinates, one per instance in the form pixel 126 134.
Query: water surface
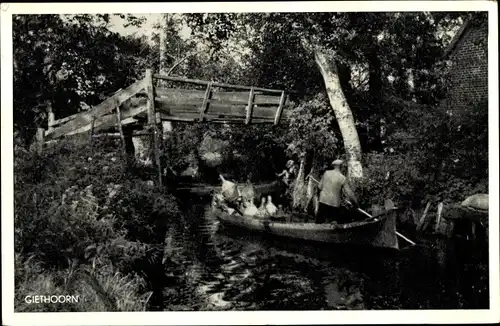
pixel 213 268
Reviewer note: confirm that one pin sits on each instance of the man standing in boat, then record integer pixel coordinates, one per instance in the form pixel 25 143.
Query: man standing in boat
pixel 330 188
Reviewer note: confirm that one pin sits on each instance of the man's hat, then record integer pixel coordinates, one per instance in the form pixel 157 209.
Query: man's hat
pixel 337 162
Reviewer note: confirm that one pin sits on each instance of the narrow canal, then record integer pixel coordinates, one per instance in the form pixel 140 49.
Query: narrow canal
pixel 208 267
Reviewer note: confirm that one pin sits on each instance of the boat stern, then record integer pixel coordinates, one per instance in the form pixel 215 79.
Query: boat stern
pixel 387 236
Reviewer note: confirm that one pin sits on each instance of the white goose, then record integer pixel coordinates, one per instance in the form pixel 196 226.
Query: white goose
pixel 270 207
pixel 251 209
pixel 262 209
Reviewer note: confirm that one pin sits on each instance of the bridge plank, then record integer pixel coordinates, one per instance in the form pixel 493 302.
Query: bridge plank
pixel 190 117
pixel 107 121
pixel 179 96
pixel 218 108
pixel 85 118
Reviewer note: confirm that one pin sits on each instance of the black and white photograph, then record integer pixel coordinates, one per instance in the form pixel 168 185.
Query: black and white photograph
pixel 274 158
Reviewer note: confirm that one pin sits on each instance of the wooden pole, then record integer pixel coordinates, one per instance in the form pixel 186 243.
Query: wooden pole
pixel 51 119
pixel 206 101
pixel 120 130
pixel 279 112
pixel 152 121
pixel 250 106
pixel 159 131
pixel 438 217
pixel 40 140
pixel 421 223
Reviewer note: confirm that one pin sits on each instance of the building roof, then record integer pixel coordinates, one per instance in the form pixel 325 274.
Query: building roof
pixel 460 34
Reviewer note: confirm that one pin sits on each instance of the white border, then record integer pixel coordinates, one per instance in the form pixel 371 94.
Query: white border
pixel 261 317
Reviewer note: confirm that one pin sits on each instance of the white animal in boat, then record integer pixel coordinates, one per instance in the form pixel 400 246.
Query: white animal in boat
pixel 270 207
pixel 262 209
pixel 251 209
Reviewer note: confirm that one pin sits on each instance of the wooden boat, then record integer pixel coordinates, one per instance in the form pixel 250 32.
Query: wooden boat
pixel 379 231
pixel 205 189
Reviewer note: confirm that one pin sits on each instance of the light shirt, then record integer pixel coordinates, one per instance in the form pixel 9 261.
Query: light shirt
pixel 331 185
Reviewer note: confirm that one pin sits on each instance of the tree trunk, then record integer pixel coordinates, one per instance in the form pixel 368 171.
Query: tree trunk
pixel 342 112
pixel 162 36
pixel 166 125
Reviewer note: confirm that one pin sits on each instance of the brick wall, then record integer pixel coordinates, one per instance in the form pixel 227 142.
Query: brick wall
pixel 469 71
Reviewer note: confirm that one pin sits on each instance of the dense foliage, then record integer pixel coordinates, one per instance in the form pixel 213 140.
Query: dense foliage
pixel 81 222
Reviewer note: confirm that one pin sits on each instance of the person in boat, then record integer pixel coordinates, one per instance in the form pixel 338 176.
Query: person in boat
pixel 330 188
pixel 231 193
pixel 288 173
pixel 287 176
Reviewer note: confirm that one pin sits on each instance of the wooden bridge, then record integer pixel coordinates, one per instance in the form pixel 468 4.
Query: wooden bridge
pixel 142 107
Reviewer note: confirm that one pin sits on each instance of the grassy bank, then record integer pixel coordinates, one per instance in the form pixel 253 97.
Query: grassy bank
pixel 86 227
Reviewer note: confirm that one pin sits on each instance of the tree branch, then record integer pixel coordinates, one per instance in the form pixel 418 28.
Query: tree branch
pixel 171 56
pixel 180 61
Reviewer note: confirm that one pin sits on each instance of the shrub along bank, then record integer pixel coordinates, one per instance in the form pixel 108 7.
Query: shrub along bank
pixel 85 227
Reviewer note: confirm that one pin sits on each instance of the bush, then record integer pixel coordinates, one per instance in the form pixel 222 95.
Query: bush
pixel 142 210
pixel 447 148
pixel 392 177
pixel 400 178
pixel 84 217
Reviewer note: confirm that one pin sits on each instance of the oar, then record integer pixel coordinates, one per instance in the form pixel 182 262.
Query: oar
pixel 310 176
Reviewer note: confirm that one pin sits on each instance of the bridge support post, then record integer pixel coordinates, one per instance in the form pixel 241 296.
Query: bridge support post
pixel 39 140
pixel 152 122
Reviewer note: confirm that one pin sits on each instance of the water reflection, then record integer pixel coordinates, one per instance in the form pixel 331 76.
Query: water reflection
pixel 214 269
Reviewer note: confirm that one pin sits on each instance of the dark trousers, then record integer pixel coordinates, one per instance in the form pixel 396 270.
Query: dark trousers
pixel 234 204
pixel 327 213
